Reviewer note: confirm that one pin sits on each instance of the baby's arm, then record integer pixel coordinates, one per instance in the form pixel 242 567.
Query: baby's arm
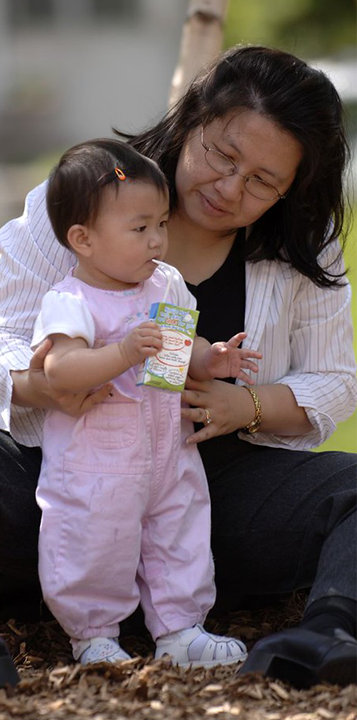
pixel 222 359
pixel 72 366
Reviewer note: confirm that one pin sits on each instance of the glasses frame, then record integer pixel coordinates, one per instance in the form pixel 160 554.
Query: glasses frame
pixel 235 171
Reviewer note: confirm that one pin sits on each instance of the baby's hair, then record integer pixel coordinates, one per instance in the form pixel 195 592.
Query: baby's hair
pixel 76 184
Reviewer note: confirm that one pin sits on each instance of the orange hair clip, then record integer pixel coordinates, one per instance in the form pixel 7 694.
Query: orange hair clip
pixel 119 173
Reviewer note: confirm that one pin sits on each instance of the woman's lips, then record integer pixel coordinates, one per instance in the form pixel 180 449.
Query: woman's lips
pixel 211 206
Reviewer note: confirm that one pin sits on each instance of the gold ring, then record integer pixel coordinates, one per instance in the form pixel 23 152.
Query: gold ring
pixel 208 418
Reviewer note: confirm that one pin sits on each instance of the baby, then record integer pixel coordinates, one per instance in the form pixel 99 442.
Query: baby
pixel 125 503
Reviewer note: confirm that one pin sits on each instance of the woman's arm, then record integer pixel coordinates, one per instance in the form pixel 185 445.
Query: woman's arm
pixel 30 388
pixel 307 378
pixel 31 260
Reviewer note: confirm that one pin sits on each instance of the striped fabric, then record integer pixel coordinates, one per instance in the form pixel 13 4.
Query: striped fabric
pixel 304 332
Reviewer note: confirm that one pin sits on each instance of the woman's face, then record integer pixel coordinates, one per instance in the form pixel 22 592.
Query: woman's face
pixel 258 147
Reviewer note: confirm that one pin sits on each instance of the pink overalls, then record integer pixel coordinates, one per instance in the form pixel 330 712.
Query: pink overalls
pixel 125 503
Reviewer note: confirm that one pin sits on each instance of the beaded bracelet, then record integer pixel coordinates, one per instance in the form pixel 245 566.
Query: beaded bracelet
pixel 254 425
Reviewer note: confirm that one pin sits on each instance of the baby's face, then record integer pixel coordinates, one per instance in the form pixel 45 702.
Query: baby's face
pixel 130 231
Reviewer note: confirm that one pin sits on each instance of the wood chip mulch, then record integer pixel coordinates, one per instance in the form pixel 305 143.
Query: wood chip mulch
pixel 52 686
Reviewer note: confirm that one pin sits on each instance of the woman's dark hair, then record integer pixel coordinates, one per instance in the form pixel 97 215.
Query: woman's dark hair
pixel 300 100
pixel 76 184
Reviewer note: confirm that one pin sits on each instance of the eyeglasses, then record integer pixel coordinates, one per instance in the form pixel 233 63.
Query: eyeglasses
pixel 223 165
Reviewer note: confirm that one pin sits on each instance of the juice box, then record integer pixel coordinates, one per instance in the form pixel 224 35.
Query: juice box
pixel 167 370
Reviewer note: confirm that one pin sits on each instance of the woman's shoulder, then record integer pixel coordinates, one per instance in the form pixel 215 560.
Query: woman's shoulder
pixel 36 198
pixel 32 233
pixel 35 214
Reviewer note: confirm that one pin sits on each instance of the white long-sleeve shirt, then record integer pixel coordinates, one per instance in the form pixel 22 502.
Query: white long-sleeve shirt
pixel 304 332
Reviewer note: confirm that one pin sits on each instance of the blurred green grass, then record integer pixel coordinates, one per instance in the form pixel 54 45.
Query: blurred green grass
pixel 345 436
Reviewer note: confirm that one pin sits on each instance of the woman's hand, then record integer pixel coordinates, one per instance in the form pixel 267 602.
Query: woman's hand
pixel 31 389
pixel 216 403
pixel 224 408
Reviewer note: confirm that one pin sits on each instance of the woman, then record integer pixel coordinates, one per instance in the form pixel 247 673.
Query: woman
pixel 254 154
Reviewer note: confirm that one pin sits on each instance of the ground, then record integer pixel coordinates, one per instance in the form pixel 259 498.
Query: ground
pixel 53 687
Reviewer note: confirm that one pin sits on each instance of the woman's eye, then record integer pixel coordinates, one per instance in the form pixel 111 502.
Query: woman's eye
pixel 259 180
pixel 221 152
pixel 225 154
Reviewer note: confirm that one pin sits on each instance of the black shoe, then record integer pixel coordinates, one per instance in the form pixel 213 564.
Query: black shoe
pixel 305 658
pixel 8 672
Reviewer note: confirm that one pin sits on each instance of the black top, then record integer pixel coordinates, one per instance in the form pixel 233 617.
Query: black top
pixel 221 302
pixel 221 298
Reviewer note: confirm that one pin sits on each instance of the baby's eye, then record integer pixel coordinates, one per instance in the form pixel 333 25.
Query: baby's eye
pixel 140 229
pixel 163 223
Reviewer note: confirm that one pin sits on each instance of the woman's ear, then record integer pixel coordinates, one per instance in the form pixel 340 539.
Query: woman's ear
pixel 79 240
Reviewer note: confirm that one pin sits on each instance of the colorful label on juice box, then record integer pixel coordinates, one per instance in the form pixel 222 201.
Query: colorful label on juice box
pixel 168 369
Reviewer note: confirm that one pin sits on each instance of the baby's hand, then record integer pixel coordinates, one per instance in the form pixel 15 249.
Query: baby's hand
pixel 224 359
pixel 142 342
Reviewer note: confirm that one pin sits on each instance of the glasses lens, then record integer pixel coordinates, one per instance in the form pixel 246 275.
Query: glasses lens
pixel 220 163
pixel 261 190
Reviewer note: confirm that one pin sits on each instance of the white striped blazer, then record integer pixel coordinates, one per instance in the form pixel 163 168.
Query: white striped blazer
pixel 303 332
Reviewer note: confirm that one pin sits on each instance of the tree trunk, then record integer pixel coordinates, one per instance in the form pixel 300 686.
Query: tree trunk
pixel 201 42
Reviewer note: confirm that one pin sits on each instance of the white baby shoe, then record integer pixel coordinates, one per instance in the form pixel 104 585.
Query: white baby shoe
pixel 99 649
pixel 196 647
